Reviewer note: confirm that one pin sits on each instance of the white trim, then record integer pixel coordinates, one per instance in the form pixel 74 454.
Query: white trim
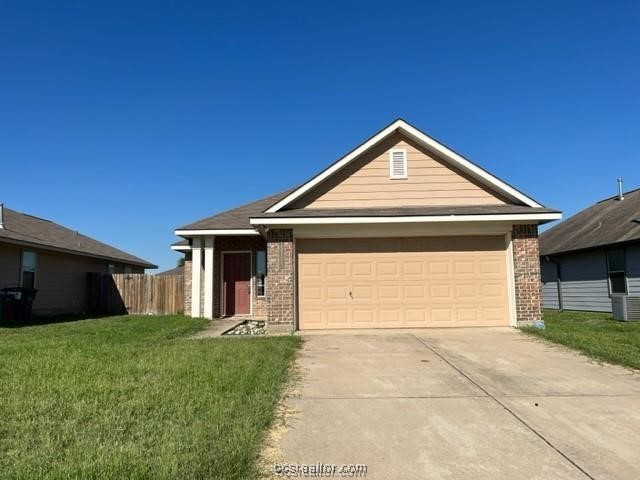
pixel 382 230
pixel 428 142
pixel 223 305
pixel 209 246
pixel 181 248
pixel 520 217
pixel 35 272
pixel 238 231
pixel 511 282
pixel 196 268
pixel 254 268
pixel 404 160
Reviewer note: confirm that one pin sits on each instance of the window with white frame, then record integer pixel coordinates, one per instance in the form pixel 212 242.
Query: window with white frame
pixel 28 267
pixel 616 270
pixel 261 272
pixel 398 164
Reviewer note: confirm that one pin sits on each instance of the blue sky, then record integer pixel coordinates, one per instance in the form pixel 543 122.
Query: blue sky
pixel 126 120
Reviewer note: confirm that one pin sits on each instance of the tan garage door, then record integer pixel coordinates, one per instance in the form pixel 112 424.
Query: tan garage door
pixel 402 282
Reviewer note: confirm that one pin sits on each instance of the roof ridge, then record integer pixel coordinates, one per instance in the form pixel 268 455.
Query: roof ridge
pixel 616 195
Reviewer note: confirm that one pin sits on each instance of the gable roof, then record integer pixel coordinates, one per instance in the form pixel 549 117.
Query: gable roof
pixel 608 222
pixel 26 229
pixel 427 142
pixel 242 220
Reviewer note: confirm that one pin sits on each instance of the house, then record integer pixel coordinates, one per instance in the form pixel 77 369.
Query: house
pixel 55 260
pixel 593 254
pixel 400 232
pixel 172 272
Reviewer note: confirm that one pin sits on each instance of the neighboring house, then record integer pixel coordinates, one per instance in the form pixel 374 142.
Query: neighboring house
pixel 593 254
pixel 55 260
pixel 400 232
pixel 174 271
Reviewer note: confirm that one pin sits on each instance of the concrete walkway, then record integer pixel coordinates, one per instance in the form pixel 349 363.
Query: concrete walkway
pixel 218 326
pixel 462 404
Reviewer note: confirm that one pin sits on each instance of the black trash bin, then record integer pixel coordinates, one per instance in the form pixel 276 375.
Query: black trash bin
pixel 17 303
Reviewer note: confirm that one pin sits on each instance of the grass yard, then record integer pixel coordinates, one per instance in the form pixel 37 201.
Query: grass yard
pixel 594 334
pixel 131 397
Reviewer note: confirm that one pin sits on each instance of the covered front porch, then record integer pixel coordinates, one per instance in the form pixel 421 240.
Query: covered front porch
pixel 227 274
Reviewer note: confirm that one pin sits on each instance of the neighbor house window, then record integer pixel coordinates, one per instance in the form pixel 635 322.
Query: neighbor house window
pixel 111 268
pixel 28 268
pixel 261 272
pixel 127 269
pixel 616 268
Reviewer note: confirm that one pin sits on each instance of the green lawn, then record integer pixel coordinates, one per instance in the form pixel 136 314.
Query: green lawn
pixel 595 334
pixel 131 397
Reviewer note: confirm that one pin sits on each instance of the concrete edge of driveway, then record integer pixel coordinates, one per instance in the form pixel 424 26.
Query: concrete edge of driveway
pixel 391 331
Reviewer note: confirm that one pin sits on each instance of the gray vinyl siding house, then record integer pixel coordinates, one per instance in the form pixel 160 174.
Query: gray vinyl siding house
pixel 576 256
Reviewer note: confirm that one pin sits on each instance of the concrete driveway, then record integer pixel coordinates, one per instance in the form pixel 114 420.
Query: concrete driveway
pixel 462 403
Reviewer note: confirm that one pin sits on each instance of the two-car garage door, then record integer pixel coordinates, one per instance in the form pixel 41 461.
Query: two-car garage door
pixel 402 282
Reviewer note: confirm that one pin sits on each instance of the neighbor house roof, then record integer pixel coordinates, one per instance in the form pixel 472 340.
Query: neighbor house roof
pixel 608 222
pixel 26 229
pixel 173 271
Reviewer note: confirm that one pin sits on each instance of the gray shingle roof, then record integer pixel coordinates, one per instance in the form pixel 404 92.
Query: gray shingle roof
pixel 23 228
pixel 407 211
pixel 173 271
pixel 236 217
pixel 607 222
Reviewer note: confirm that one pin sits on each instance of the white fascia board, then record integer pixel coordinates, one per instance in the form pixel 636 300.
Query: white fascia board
pixel 457 160
pixel 192 233
pixel 181 248
pixel 408 219
pixel 333 168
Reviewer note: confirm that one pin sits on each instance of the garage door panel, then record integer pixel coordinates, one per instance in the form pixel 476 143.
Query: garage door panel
pixel 413 268
pixel 361 269
pixel 389 317
pixel 336 269
pixel 365 283
pixel 337 318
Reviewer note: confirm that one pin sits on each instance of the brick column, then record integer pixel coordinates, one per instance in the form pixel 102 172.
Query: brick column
pixel 280 276
pixel 526 269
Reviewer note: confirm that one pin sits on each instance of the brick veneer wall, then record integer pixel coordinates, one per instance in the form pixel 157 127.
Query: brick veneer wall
pixel 280 276
pixel 526 269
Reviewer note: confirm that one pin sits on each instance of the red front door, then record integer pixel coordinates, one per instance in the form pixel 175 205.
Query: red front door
pixel 236 283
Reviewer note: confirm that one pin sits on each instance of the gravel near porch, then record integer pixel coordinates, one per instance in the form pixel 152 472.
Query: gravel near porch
pixel 241 327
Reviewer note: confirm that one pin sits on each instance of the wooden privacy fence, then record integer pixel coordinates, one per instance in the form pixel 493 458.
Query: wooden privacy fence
pixel 135 293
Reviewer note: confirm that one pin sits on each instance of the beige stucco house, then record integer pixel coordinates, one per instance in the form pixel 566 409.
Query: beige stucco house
pixel 400 232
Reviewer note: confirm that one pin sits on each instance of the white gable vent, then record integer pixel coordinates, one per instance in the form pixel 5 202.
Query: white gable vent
pixel 397 163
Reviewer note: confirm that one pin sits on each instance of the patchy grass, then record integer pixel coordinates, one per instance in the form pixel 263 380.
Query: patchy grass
pixel 594 334
pixel 131 397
